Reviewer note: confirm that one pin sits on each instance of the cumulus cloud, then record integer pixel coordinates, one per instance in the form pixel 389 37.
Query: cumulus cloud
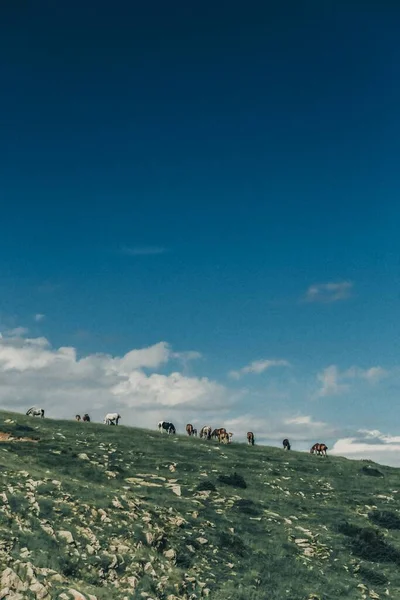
pixel 333 382
pixel 271 429
pixel 258 366
pixel 143 250
pixel 372 445
pixel 329 292
pixel 33 372
pixel 329 382
pixel 39 317
pixel 16 331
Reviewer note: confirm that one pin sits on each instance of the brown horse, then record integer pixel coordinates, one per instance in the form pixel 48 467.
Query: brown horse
pixel 250 438
pixel 189 429
pixel 319 449
pixel 86 418
pixel 217 433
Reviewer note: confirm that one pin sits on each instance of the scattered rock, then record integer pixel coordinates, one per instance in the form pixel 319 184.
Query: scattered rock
pixel 67 536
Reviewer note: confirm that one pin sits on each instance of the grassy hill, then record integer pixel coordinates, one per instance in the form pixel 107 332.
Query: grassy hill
pixel 95 512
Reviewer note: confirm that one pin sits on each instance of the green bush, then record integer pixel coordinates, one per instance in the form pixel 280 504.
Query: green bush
pixel 206 485
pixel 373 577
pixel 385 518
pixel 234 480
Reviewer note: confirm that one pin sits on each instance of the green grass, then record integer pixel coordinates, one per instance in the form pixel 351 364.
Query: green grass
pixel 250 522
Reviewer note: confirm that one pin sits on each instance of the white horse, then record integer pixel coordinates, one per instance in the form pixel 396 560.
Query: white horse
pixel 111 419
pixel 35 412
pixel 205 432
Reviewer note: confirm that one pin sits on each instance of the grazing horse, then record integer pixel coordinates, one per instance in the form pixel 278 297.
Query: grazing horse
pixel 77 417
pixel 250 438
pixel 319 449
pixel 194 431
pixel 86 418
pixel 166 426
pixel 35 412
pixel 189 429
pixel 111 419
pixel 205 432
pixel 218 432
pixel 286 444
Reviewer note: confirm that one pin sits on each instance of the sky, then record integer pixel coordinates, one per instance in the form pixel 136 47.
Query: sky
pixel 199 217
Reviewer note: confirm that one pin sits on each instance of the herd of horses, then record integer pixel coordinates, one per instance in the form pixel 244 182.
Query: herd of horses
pixel 207 432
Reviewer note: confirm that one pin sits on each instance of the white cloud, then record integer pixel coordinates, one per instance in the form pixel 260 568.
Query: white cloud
pixel 329 292
pixel 333 382
pixel 16 332
pixel 371 445
pixel 32 372
pixel 372 375
pixel 143 250
pixel 271 429
pixel 39 317
pixel 258 366
pixel 329 380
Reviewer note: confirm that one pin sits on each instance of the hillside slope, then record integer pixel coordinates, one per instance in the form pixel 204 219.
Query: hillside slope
pixel 89 511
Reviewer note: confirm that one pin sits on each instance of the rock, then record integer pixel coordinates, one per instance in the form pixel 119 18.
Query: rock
pixel 177 490
pixel 76 595
pixel 9 579
pixel 40 591
pixel 171 554
pixel 67 536
pixel 5 593
pixel 133 581
pixel 83 456
pixel 202 540
pixel 90 549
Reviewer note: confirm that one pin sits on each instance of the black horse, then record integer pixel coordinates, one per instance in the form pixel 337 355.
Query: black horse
pixel 286 444
pixel 166 426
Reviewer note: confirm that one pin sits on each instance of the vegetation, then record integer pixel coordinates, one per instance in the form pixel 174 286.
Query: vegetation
pixel 122 513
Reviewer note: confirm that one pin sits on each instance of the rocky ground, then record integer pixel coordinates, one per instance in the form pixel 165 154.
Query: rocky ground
pixel 89 512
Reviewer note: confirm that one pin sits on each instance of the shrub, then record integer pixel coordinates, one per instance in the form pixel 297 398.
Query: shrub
pixel 371 472
pixel 206 485
pixel 369 544
pixel 234 480
pixel 232 543
pixel 372 577
pixel 385 518
pixel 247 507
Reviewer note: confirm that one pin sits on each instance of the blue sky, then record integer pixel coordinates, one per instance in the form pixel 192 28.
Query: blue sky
pixel 220 178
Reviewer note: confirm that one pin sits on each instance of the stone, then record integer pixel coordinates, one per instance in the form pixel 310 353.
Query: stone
pixel 83 456
pixel 170 553
pixel 9 579
pixel 67 536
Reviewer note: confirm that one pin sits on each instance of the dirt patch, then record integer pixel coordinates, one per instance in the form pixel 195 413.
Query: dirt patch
pixel 7 437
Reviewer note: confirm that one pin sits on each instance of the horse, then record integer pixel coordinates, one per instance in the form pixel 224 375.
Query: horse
pixel 205 432
pixel 218 432
pixel 189 429
pixel 166 426
pixel 194 431
pixel 35 412
pixel 250 438
pixel 111 419
pixel 286 444
pixel 86 418
pixel 319 449
pixel 77 417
